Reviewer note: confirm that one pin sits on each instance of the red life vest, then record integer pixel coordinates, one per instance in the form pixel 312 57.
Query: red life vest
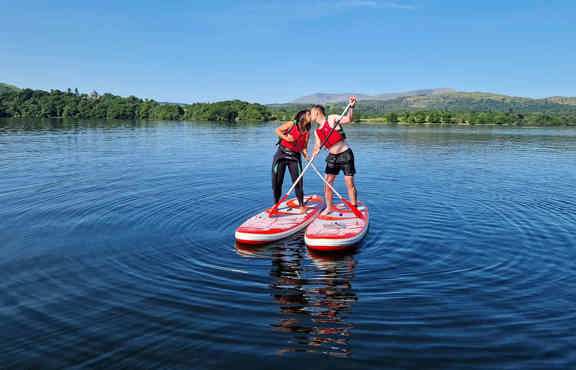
pixel 300 139
pixel 336 136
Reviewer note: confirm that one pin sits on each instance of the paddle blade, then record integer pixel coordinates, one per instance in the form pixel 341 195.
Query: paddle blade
pixel 354 209
pixel 273 210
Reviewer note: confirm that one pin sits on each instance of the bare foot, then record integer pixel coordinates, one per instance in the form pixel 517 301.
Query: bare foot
pixel 302 209
pixel 328 210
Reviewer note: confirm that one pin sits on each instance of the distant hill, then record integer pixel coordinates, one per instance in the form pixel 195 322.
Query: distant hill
pixel 326 98
pixel 472 101
pixel 561 100
pixel 4 88
pixel 438 99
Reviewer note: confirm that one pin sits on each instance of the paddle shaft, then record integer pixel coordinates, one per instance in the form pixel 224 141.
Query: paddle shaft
pixel 273 209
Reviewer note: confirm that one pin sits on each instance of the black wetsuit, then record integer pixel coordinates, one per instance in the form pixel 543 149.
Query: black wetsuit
pixel 282 159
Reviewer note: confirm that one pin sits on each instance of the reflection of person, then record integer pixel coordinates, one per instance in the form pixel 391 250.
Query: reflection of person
pixel 311 312
pixel 340 155
pixel 293 141
pixel 288 291
pixel 333 299
pixel 313 307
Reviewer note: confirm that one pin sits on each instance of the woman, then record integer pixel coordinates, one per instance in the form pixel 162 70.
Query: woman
pixel 292 145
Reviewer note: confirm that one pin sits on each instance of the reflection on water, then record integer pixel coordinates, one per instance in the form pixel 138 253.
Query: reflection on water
pixel 314 304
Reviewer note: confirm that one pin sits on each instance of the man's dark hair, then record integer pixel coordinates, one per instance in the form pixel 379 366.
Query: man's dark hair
pixel 320 107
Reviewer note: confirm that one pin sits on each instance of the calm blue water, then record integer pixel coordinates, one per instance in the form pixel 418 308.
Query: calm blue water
pixel 117 251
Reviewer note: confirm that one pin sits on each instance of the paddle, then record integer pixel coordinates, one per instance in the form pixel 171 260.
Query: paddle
pixel 353 208
pixel 273 209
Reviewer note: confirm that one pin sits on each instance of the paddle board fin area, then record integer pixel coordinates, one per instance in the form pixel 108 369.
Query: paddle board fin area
pixel 337 230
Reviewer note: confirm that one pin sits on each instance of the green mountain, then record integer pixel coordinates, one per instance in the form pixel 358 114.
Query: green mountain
pixel 328 98
pixel 561 100
pixel 470 101
pixel 454 101
pixel 4 88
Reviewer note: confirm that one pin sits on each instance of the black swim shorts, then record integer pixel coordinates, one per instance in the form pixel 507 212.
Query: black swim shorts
pixel 343 161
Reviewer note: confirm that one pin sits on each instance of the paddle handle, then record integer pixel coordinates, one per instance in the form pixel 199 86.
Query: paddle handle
pixel 273 209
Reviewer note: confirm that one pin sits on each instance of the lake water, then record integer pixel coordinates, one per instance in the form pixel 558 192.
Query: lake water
pixel 117 251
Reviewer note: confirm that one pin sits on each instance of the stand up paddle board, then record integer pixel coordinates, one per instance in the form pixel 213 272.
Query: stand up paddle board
pixel 338 230
pixel 267 226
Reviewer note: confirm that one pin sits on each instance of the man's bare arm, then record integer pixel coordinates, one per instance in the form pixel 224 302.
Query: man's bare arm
pixel 348 118
pixel 317 144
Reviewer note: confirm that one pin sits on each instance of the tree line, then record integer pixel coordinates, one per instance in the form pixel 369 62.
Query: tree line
pixel 478 118
pixel 27 103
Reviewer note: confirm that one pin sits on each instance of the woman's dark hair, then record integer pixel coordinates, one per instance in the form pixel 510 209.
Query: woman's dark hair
pixel 299 117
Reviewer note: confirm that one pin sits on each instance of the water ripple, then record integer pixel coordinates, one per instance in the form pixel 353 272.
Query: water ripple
pixel 118 251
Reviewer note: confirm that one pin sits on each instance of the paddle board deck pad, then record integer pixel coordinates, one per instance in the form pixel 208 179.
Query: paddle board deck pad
pixel 285 221
pixel 338 230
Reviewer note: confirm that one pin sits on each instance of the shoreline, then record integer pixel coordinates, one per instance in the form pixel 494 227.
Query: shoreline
pixel 372 121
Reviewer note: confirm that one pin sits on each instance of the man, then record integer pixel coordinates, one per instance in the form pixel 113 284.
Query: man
pixel 331 135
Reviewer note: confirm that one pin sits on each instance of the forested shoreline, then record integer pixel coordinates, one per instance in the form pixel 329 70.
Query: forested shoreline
pixel 446 117
pixel 27 103
pixel 70 104
pixel 475 118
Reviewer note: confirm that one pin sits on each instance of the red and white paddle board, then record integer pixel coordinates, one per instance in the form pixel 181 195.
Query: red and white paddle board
pixel 285 221
pixel 338 230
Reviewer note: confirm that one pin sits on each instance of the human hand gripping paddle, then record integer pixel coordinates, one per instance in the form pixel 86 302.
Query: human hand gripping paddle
pixel 275 208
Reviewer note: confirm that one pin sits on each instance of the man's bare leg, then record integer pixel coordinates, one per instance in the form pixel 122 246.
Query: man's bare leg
pixel 328 192
pixel 352 193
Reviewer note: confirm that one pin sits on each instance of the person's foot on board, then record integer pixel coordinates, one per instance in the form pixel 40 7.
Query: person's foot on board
pixel 329 210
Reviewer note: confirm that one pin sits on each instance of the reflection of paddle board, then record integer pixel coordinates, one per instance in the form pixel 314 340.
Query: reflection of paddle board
pixel 285 221
pixel 342 262
pixel 338 230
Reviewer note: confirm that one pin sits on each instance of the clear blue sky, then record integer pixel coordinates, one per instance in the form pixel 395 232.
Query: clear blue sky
pixel 274 51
